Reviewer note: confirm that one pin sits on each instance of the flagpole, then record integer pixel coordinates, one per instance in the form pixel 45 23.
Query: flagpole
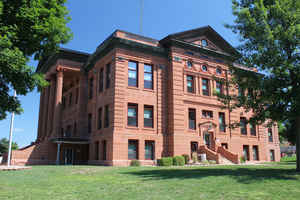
pixel 10 134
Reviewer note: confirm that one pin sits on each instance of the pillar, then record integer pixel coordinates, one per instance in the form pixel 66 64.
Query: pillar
pixel 50 106
pixel 41 110
pixel 58 153
pixel 58 104
pixel 45 113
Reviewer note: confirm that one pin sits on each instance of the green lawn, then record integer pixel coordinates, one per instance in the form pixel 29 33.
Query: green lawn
pixel 272 182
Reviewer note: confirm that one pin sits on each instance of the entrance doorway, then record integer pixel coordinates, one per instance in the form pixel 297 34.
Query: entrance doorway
pixel 194 148
pixel 68 156
pixel 207 139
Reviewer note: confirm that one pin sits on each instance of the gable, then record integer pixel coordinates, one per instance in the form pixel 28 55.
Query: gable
pixel 204 41
pixel 213 40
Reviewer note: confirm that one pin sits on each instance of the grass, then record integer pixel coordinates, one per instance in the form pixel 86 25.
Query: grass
pixel 270 182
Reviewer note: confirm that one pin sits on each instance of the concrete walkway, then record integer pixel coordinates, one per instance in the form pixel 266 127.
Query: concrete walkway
pixel 13 168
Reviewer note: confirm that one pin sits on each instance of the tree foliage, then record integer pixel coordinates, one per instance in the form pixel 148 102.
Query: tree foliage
pixel 287 132
pixel 269 33
pixel 28 28
pixel 4 144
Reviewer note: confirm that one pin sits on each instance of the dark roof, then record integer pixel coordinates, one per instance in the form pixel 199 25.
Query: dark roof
pixel 113 41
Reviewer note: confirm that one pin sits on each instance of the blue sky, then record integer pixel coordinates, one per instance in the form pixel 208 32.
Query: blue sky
pixel 94 20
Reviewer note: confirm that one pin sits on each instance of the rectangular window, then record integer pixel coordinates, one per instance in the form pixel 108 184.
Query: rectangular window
pixel 246 152
pixel 99 118
pixel 190 84
pixel 62 132
pixel 70 99
pixel 148 76
pixel 91 86
pixel 222 125
pixel 106 117
pixel 243 125
pixel 133 74
pixel 75 129
pixel 97 150
pixel 108 75
pixel 255 153
pixel 63 102
pixel 149 150
pixel 192 118
pixel 132 115
pixel 76 96
pixel 148 116
pixel 89 123
pixel 68 132
pixel 207 114
pixel 272 155
pixel 104 150
pixel 205 87
pixel 270 134
pixel 252 129
pixel 133 149
pixel 219 87
pixel 101 77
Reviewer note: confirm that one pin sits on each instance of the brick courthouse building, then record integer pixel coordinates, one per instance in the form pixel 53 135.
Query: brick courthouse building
pixel 141 98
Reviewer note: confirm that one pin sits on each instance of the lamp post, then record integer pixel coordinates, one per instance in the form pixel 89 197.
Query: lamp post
pixel 10 134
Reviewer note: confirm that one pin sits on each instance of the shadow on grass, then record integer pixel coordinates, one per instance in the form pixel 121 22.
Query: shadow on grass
pixel 242 175
pixel 287 163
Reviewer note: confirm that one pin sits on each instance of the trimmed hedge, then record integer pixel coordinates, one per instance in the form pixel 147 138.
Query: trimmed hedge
pixel 178 161
pixel 165 161
pixel 135 163
pixel 186 158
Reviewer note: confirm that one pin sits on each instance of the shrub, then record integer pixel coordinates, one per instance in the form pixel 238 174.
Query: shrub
pixel 178 161
pixel 288 159
pixel 242 159
pixel 186 158
pixel 195 157
pixel 165 161
pixel 135 163
pixel 205 162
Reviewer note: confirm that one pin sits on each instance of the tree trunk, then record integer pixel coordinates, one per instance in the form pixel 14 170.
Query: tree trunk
pixel 298 144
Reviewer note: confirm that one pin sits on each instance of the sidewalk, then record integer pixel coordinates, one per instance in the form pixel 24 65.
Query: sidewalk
pixel 13 168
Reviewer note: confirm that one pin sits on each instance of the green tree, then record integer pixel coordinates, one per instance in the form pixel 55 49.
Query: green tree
pixel 269 32
pixel 287 132
pixel 28 28
pixel 4 144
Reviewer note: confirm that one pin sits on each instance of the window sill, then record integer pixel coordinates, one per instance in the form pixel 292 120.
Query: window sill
pixel 148 129
pixel 132 87
pixel 192 130
pixel 192 93
pixel 132 127
pixel 148 90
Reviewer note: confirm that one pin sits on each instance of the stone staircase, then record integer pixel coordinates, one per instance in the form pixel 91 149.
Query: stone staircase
pixel 225 161
pixel 220 155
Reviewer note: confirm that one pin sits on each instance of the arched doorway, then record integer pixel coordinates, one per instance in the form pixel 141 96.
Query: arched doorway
pixel 208 133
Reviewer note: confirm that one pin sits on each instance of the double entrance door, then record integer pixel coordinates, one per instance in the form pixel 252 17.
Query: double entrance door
pixel 68 156
pixel 207 137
